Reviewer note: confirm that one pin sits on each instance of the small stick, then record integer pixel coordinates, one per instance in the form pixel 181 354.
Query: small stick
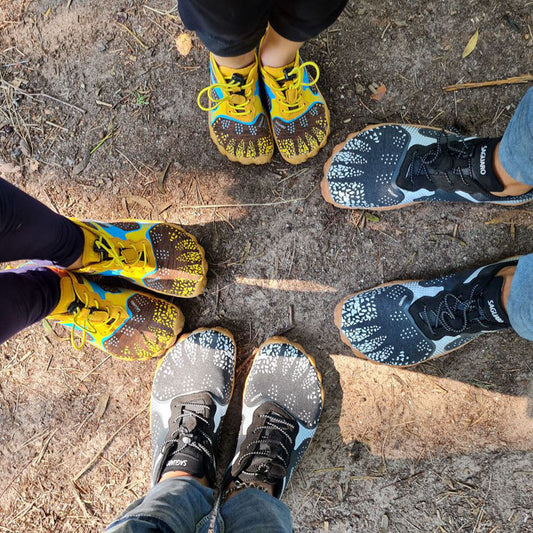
pixel 53 124
pixel 476 84
pixel 93 461
pixel 42 95
pixel 220 206
pixel 141 44
pixel 95 368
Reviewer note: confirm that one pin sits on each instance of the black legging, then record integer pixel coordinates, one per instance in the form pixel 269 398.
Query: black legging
pixel 29 230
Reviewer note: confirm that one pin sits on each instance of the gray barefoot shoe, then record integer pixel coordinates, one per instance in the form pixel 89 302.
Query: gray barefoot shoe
pixel 389 166
pixel 404 323
pixel 282 403
pixel 190 396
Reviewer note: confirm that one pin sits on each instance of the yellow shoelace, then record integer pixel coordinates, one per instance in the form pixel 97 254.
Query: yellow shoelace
pixel 82 319
pixel 126 257
pixel 289 93
pixel 238 96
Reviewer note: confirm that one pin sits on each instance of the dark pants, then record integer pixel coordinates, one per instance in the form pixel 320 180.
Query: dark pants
pixel 29 230
pixel 233 27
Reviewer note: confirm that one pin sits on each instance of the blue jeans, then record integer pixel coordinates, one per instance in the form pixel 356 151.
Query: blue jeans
pixel 516 147
pixel 182 505
pixel 520 302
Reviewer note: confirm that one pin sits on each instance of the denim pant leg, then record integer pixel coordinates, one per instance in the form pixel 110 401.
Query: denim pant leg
pixel 255 511
pixel 516 147
pixel 520 302
pixel 176 505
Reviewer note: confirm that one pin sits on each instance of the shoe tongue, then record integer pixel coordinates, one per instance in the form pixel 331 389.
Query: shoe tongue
pixel 270 471
pixel 280 74
pixel 492 304
pixel 190 460
pixel 482 166
pixel 90 255
pixel 184 457
pixel 235 73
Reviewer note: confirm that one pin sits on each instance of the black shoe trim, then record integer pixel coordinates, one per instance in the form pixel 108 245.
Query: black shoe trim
pixel 190 441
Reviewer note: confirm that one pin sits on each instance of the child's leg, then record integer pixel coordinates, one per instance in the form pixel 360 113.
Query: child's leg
pixel 293 23
pixel 30 230
pixel 27 295
pixel 231 30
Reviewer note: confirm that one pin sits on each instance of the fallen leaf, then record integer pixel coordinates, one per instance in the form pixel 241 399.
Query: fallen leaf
pixel 184 44
pixel 8 168
pixel 379 93
pixel 101 407
pixel 143 202
pixel 469 48
pixel 82 165
pixel 518 217
pixel 161 178
pixel 371 217
pixel 25 147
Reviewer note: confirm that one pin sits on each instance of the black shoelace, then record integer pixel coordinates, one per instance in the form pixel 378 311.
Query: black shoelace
pixel 454 314
pixel 188 433
pixel 454 148
pixel 275 445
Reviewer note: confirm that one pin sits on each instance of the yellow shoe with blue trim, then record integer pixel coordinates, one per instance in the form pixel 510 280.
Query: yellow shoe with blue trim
pixel 124 323
pixel 159 256
pixel 238 122
pixel 298 111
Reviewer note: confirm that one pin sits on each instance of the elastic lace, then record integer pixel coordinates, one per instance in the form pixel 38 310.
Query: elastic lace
pixel 85 324
pixel 230 90
pixel 452 308
pixel 113 252
pixel 183 438
pixel 430 157
pixel 277 427
pixel 292 83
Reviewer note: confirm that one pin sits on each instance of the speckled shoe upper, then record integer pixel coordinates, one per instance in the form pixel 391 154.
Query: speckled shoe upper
pixel 190 396
pixel 160 256
pixel 238 122
pixel 406 323
pixel 393 165
pixel 298 111
pixel 125 323
pixel 282 403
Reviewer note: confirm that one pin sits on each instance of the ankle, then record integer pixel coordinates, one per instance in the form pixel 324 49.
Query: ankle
pixel 235 487
pixel 276 51
pixel 236 62
pixel 507 274
pixel 511 187
pixel 178 473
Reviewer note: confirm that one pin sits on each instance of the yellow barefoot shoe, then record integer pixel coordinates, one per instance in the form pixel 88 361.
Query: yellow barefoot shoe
pixel 298 111
pixel 122 322
pixel 238 122
pixel 159 256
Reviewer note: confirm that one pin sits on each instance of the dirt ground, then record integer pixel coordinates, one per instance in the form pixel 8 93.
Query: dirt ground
pixel 444 447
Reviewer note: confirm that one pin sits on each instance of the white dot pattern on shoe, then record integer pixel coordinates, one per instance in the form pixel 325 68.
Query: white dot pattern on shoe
pixel 203 361
pixel 284 374
pixel 363 173
pixel 377 324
